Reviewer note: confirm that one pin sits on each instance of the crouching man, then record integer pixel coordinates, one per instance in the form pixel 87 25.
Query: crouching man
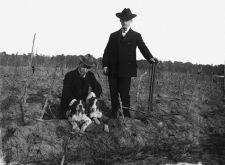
pixel 76 86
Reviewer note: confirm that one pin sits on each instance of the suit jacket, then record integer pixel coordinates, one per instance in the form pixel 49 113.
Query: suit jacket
pixel 120 53
pixel 76 87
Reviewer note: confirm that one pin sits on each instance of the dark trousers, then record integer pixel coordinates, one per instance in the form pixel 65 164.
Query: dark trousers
pixel 119 85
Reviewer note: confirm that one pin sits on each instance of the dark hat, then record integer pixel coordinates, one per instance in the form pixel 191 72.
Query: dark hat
pixel 88 60
pixel 126 15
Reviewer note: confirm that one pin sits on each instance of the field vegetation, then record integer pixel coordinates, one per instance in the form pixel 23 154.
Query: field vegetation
pixel 186 123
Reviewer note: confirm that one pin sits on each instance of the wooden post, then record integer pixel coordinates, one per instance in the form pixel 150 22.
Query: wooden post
pixel 139 86
pixel 24 96
pixel 32 52
pixel 224 82
pixel 211 80
pixel 121 110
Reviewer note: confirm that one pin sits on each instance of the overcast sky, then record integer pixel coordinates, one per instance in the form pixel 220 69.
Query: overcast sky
pixel 176 30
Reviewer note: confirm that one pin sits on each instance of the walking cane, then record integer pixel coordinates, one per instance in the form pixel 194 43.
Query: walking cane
pixel 107 86
pixel 151 85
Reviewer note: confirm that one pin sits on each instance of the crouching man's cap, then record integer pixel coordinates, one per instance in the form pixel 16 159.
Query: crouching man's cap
pixel 88 60
pixel 126 15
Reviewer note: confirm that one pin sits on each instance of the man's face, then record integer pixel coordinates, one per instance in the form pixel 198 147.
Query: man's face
pixel 83 69
pixel 125 24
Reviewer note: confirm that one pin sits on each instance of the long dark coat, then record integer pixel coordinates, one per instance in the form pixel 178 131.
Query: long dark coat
pixel 120 53
pixel 76 87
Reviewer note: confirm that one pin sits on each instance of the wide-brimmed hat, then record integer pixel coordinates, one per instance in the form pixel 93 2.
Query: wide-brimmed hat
pixel 126 14
pixel 88 60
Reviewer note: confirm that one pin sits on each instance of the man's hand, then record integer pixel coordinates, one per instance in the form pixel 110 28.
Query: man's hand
pixel 153 60
pixel 72 107
pixel 72 101
pixel 90 95
pixel 105 71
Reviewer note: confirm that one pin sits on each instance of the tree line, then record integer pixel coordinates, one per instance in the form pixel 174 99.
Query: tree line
pixel 71 61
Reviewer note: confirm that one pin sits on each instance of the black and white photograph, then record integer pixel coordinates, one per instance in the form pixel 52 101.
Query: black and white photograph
pixel 110 82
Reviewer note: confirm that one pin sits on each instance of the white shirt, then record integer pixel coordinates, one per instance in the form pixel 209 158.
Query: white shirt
pixel 125 32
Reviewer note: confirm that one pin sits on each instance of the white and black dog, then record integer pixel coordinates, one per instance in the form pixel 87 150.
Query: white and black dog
pixel 77 117
pixel 95 113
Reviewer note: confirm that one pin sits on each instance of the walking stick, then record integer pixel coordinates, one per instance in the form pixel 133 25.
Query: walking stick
pixel 151 86
pixel 107 86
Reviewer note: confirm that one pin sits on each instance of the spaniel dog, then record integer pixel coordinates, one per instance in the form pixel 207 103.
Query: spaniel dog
pixel 77 117
pixel 95 114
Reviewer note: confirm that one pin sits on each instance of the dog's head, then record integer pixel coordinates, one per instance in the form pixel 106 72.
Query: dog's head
pixel 77 108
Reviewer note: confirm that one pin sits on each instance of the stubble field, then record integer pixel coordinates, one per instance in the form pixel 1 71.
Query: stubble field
pixel 188 114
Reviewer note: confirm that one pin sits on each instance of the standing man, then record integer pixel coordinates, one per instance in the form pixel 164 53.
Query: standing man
pixel 77 82
pixel 119 61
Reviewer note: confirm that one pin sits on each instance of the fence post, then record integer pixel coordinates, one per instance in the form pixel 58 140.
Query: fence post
pixel 224 83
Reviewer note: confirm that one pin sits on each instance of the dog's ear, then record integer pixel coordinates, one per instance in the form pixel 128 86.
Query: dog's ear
pixel 103 107
pixel 82 102
pixel 90 101
pixel 73 107
pixel 98 103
